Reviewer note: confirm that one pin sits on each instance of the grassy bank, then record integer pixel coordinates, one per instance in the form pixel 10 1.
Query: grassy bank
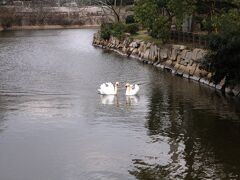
pixel 144 36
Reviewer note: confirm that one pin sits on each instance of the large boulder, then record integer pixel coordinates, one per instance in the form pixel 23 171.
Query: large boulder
pixel 148 45
pixel 120 46
pixel 195 54
pixel 188 58
pixel 153 52
pixel 236 90
pixel 124 50
pixel 135 51
pixel 183 56
pixel 192 69
pixel 221 84
pixel 134 44
pixel 228 90
pixel 146 54
pixel 200 55
pixel 200 72
pixel 197 71
pixel 141 48
pixel 163 53
pixel 183 69
pixel 176 67
pixel 168 62
pixel 174 53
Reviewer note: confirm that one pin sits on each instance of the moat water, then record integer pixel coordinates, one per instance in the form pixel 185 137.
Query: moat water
pixel 54 125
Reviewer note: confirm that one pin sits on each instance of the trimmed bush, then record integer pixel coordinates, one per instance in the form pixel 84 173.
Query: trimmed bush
pixel 224 58
pixel 160 30
pixel 105 31
pixel 118 30
pixel 132 28
pixel 130 19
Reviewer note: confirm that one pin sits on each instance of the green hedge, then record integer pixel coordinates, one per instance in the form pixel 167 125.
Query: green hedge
pixel 117 30
pixel 105 31
pixel 131 28
pixel 130 19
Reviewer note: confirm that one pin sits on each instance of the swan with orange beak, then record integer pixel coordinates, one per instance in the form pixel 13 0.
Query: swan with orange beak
pixel 131 89
pixel 108 88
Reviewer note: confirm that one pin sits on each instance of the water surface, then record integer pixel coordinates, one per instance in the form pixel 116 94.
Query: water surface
pixel 53 124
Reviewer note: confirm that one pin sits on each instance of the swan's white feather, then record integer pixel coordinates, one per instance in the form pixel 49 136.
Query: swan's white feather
pixel 107 89
pixel 132 90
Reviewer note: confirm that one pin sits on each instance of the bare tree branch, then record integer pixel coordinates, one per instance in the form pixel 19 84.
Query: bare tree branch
pixel 112 8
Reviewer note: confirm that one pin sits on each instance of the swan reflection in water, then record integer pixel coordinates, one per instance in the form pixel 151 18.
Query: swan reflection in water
pixel 113 100
pixel 132 100
pixel 109 99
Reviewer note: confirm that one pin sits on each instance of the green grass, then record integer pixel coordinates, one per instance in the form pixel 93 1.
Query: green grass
pixel 142 35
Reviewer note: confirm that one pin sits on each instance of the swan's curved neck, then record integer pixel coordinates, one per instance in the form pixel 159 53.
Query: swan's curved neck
pixel 128 89
pixel 115 89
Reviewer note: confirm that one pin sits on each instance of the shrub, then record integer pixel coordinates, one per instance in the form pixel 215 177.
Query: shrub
pixel 160 29
pixel 132 28
pixel 7 22
pixel 105 31
pixel 130 19
pixel 115 29
pixel 118 30
pixel 224 58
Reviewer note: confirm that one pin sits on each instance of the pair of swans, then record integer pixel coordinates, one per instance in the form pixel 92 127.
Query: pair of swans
pixel 110 89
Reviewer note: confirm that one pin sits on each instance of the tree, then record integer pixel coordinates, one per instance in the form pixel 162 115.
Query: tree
pixel 208 12
pixel 113 9
pixel 221 18
pixel 7 16
pixel 158 15
pixel 146 11
pixel 225 56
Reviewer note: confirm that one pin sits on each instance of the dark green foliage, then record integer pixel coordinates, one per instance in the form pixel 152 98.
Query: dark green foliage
pixel 157 15
pixel 118 30
pixel 120 3
pixel 130 19
pixel 105 31
pixel 220 18
pixel 145 12
pixel 7 23
pixel 225 57
pixel 161 29
pixel 115 29
pixel 131 28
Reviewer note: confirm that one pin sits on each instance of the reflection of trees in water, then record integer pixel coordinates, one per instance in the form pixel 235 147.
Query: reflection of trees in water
pixel 161 111
pixel 8 104
pixel 1 121
pixel 146 171
pixel 201 143
pixel 2 113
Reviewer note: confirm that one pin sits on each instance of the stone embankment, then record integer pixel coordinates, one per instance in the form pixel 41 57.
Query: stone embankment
pixel 177 59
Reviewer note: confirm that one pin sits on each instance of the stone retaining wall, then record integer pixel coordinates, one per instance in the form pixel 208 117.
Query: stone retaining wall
pixel 177 59
pixel 27 16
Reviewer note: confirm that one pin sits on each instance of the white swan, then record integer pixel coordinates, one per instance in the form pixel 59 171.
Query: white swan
pixel 131 89
pixel 108 88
